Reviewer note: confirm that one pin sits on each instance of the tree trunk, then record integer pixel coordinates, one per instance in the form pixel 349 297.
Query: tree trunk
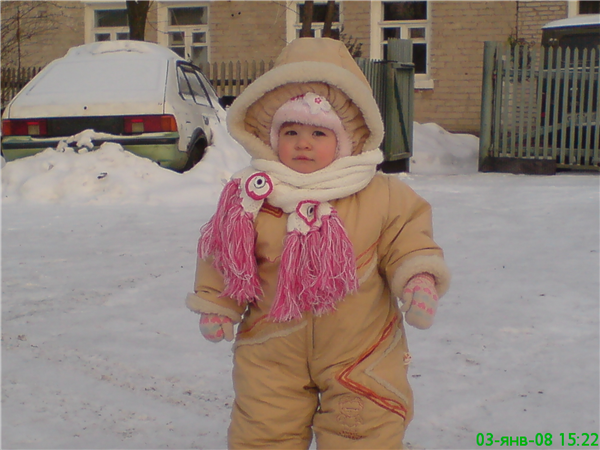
pixel 137 11
pixel 307 20
pixel 329 14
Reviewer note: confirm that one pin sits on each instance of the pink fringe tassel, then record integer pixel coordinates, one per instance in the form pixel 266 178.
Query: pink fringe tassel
pixel 229 237
pixel 317 270
pixel 288 303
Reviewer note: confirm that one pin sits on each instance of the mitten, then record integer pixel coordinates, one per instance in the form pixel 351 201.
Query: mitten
pixel 215 327
pixel 420 300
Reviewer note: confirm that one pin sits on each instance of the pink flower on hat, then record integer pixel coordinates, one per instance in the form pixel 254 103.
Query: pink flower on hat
pixel 315 103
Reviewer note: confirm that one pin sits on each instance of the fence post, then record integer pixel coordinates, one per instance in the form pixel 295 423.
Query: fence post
pixel 238 77
pixel 244 80
pixel 485 135
pixel 214 70
pixel 222 77
pixel 399 104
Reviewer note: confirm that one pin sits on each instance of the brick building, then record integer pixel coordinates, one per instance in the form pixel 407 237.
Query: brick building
pixel 447 37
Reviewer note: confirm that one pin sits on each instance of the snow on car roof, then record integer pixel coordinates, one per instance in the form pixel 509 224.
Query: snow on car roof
pixel 108 47
pixel 577 21
pixel 113 78
pixel 92 76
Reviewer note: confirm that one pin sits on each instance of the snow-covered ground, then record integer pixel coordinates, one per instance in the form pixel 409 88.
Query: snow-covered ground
pixel 99 351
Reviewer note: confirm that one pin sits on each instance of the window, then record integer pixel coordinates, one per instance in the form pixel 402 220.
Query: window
pixel 589 7
pixel 105 21
pixel 190 86
pixel 110 25
pixel 110 18
pixel 295 12
pixel 183 27
pixel 403 20
pixel 576 8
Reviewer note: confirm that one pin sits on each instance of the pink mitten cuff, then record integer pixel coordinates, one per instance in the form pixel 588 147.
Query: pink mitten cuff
pixel 431 264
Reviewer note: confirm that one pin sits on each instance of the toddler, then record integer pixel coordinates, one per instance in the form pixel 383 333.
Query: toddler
pixel 316 256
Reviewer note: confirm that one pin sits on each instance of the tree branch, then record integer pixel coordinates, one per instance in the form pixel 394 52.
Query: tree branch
pixel 306 30
pixel 329 15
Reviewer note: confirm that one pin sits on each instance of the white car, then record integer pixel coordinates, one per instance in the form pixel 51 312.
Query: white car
pixel 138 94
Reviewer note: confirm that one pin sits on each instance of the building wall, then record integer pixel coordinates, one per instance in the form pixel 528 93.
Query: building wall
pixel 532 15
pixel 459 30
pixel 48 40
pixel 357 24
pixel 151 32
pixel 246 30
pixel 260 29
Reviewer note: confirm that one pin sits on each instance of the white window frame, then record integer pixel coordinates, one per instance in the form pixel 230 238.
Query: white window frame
pixel 294 23
pixel 90 21
pixel 422 80
pixel 573 8
pixel 164 28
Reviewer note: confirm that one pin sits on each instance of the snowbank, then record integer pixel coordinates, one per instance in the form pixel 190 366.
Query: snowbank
pixel 99 351
pixel 110 175
pixel 438 152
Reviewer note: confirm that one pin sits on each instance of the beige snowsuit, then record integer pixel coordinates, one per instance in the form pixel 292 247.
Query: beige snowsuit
pixel 343 375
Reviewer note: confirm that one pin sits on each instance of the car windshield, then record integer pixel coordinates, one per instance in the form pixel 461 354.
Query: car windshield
pixel 115 78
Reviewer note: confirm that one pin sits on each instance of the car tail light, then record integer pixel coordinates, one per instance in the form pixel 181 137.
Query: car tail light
pixel 24 127
pixel 149 124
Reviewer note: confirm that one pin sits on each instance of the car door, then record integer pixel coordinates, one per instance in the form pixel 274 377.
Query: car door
pixel 202 110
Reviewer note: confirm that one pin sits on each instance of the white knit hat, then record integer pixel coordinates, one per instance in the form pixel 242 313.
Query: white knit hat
pixel 311 109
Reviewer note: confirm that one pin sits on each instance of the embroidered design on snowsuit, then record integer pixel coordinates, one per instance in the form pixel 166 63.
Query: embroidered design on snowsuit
pixel 344 379
pixel 350 407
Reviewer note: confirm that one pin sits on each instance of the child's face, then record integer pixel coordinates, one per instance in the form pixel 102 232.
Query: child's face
pixel 306 148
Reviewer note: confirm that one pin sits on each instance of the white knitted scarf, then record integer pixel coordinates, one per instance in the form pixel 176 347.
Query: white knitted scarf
pixel 318 266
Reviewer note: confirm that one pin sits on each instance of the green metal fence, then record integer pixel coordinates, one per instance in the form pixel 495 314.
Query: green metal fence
pixel 541 104
pixel 392 82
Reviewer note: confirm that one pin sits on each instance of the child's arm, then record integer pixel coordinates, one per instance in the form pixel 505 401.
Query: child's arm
pixel 207 301
pixel 407 250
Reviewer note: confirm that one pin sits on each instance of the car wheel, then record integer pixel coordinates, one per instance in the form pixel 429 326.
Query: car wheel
pixel 196 155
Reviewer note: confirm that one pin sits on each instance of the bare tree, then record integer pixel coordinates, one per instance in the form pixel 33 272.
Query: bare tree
pixel 137 12
pixel 351 43
pixel 307 18
pixel 24 21
pixel 329 16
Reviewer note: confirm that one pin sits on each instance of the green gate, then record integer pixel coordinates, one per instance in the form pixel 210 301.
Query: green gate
pixel 392 82
pixel 539 109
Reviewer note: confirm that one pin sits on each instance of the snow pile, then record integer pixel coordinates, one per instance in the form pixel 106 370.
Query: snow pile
pixel 82 141
pixel 438 152
pixel 111 175
pixel 99 350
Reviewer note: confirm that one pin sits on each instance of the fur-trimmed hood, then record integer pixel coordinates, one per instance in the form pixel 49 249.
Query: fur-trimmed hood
pixel 320 65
